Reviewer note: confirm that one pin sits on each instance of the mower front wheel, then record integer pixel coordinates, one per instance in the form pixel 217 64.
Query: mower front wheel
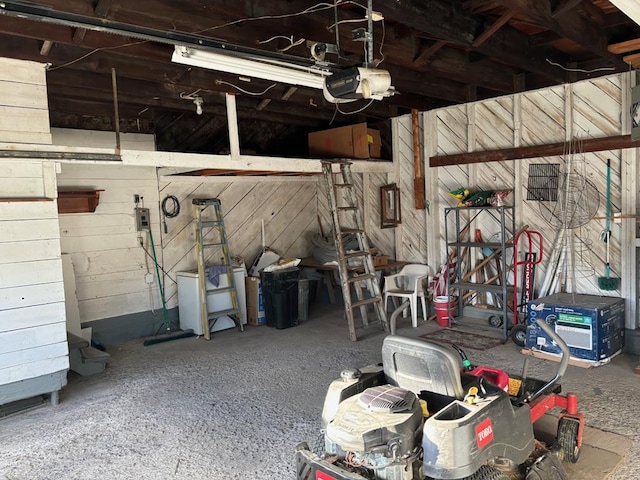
pixel 487 473
pixel 567 439
pixel 547 467
pixel 519 335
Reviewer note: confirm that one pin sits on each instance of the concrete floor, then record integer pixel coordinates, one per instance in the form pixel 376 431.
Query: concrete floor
pixel 235 407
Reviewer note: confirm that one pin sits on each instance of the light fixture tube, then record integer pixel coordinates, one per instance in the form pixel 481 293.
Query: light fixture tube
pixel 285 73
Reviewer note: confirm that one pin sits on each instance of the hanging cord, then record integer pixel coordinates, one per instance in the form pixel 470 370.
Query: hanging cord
pixel 247 92
pixel 146 264
pixel 170 212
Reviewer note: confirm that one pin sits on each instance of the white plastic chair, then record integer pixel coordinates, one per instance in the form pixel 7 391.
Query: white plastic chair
pixel 408 284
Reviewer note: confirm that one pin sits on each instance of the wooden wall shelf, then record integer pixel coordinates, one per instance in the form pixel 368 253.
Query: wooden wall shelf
pixel 78 201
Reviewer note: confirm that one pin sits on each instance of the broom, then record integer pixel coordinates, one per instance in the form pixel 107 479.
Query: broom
pixel 169 334
pixel 608 282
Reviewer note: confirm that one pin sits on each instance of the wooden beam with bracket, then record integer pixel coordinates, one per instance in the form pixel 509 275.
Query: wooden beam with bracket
pixel 535 151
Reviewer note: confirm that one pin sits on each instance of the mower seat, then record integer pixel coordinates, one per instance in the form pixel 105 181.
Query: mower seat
pixel 420 365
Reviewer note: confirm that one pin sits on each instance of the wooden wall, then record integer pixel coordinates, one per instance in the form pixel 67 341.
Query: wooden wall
pixel 287 205
pixel 108 261
pixel 368 195
pixel 24 111
pixel 33 338
pixel 588 109
pixel 410 235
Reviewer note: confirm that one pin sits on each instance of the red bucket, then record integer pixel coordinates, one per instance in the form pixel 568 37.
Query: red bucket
pixel 443 310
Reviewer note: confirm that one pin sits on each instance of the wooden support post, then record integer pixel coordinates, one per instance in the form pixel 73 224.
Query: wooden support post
pixel 116 113
pixel 232 120
pixel 418 181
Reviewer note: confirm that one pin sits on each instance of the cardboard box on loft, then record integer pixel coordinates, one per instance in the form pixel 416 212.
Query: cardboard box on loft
pixel 352 141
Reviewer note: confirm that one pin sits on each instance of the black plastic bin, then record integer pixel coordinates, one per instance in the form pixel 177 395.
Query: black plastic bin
pixel 280 290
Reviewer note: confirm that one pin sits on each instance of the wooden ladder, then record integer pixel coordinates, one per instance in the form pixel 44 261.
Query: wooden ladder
pixel 211 237
pixel 343 192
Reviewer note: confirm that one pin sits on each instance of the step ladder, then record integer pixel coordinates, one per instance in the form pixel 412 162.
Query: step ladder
pixel 343 205
pixel 211 237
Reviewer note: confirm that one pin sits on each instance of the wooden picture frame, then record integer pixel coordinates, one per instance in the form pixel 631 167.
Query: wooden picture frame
pixel 389 206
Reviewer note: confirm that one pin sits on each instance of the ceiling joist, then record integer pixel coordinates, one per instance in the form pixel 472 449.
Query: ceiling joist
pixel 438 52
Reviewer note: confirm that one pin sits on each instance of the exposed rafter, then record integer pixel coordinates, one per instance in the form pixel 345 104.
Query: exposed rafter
pixel 576 27
pixel 439 52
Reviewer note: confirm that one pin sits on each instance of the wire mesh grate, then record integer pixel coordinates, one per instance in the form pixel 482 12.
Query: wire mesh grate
pixel 543 182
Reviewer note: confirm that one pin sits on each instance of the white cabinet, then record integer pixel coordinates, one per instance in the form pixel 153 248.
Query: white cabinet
pixel 189 303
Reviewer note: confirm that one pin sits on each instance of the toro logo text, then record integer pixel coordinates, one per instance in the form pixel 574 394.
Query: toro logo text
pixel 484 433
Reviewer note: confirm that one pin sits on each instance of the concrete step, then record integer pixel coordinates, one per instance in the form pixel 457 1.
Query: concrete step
pixel 76 341
pixel 85 359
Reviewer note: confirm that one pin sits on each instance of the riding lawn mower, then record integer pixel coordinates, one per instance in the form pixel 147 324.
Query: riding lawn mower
pixel 424 414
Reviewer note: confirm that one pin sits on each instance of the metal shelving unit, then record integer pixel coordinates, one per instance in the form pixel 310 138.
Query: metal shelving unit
pixel 504 217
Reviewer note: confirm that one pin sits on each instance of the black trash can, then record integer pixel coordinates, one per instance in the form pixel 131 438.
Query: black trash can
pixel 280 290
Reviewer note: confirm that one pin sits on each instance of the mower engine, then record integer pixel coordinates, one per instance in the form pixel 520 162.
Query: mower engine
pixel 377 433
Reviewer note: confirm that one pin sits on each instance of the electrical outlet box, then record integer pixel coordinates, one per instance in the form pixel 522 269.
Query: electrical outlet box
pixel 148 278
pixel 143 221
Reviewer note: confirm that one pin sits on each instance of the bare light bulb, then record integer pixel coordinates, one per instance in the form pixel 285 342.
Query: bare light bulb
pixel 198 101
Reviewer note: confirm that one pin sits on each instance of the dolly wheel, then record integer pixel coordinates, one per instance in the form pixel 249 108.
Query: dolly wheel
pixel 495 321
pixel 487 473
pixel 567 439
pixel 519 335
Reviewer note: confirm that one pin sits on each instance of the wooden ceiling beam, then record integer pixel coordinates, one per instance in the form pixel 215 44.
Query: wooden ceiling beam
pixel 212 106
pixel 457 65
pixel 91 85
pixel 101 10
pixel 103 123
pixel 96 108
pixel 490 76
pixel 497 25
pixel 592 12
pixel 565 7
pixel 310 27
pixel 534 151
pixel 428 52
pixel 633 60
pixel 161 54
pixel 615 19
pixel 448 21
pixel 148 79
pixel 577 28
pixel 625 47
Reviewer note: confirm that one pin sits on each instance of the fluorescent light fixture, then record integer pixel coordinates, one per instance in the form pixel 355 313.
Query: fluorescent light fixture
pixel 266 69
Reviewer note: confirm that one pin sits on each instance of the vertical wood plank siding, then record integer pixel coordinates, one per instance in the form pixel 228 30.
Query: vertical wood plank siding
pixel 595 110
